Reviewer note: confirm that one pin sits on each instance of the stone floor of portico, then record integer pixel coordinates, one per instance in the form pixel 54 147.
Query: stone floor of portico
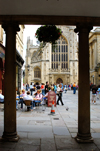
pixel 40 131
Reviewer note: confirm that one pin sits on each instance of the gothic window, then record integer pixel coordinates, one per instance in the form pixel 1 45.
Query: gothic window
pixel 60 56
pixel 37 73
pixel 66 65
pixel 59 48
pixel 56 57
pixel 64 57
pixel 56 65
pixel 66 49
pixel 52 65
pixel 52 57
pixel 62 48
pixel 62 65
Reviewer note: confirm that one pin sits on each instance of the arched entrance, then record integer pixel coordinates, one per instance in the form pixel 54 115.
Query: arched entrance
pixel 37 83
pixel 59 80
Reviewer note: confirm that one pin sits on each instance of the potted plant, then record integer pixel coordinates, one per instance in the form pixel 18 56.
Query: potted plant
pixel 48 33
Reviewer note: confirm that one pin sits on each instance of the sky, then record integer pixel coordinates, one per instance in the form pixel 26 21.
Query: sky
pixel 29 31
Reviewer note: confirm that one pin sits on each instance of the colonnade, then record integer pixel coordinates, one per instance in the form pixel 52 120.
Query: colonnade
pixel 10 133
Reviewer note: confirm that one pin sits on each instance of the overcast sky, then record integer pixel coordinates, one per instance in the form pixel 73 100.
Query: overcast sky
pixel 29 31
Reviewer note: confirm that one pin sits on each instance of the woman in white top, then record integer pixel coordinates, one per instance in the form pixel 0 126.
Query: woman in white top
pixel 1 96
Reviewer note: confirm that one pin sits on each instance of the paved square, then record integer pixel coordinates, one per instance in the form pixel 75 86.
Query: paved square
pixel 40 131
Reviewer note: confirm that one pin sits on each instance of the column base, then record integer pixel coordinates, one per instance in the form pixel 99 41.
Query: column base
pixel 84 138
pixel 10 137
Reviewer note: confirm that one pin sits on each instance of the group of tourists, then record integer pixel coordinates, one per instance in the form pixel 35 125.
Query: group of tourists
pixel 41 92
pixel 57 88
pixel 33 87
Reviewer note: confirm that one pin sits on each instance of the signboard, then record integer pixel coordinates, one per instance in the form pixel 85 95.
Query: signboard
pixel 51 97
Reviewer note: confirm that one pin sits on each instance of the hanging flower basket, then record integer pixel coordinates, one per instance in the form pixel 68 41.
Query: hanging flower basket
pixel 48 33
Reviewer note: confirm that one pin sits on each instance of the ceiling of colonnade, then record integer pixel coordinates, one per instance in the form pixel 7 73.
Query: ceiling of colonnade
pixel 89 8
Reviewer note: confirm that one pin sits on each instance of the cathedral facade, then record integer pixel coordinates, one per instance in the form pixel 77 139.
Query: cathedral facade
pixel 61 65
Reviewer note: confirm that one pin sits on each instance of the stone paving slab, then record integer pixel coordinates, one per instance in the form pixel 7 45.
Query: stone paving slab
pixel 89 147
pixel 40 131
pixel 25 147
pixel 23 134
pixel 40 135
pixel 60 131
pixel 69 143
pixel 95 135
pixel 71 149
pixel 35 128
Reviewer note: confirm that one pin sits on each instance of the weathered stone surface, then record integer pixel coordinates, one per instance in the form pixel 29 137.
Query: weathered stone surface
pixel 39 131
pixel 63 143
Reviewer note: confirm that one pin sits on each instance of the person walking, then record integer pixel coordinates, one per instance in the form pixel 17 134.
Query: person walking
pixel 31 88
pixel 46 87
pixel 42 88
pixel 59 91
pixel 55 88
pixel 94 90
pixel 74 88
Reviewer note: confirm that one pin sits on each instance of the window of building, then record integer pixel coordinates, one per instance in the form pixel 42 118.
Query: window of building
pixel 61 54
pixel 37 73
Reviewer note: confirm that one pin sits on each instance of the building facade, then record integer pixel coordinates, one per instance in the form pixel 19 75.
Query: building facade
pixel 19 59
pixel 56 66
pixel 94 53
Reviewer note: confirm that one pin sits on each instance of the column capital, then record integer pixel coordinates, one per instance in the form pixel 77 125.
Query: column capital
pixel 83 28
pixel 14 25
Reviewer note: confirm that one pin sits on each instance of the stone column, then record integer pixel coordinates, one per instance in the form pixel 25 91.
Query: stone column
pixel 10 133
pixel 83 134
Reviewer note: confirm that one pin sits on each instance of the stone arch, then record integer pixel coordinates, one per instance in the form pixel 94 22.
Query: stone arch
pixel 65 39
pixel 59 80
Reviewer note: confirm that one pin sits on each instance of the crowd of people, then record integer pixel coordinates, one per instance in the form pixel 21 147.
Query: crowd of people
pixel 45 88
pixel 41 92
pixel 42 86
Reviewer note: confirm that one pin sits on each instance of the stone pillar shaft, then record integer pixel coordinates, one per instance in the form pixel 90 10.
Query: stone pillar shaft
pixel 10 83
pixel 84 86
